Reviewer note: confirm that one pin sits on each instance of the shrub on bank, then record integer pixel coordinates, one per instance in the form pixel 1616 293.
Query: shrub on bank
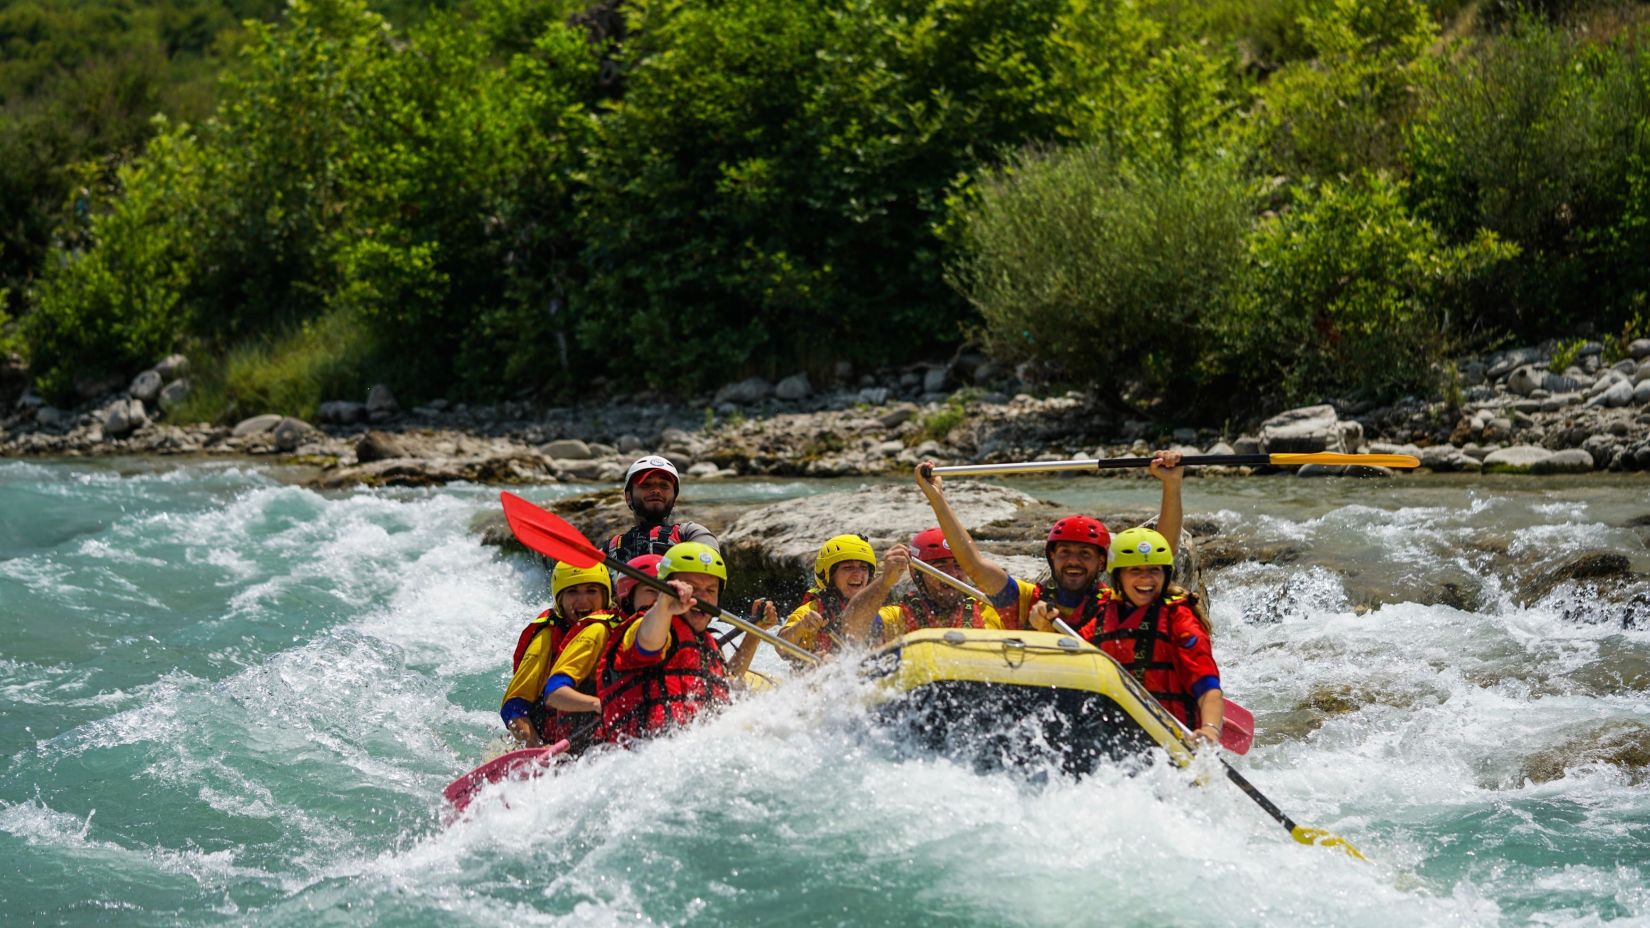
pixel 1108 271
pixel 1541 137
pixel 1348 293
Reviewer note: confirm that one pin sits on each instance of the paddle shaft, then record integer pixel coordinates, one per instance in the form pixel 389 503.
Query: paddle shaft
pixel 1295 831
pixel 654 583
pixel 950 581
pixel 1190 460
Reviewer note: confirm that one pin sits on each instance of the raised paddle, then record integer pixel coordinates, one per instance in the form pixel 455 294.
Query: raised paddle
pixel 552 536
pixel 1238 732
pixel 1300 833
pixel 520 764
pixel 1190 460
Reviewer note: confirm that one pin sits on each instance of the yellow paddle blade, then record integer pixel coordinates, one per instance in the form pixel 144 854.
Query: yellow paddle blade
pixel 1364 460
pixel 1323 838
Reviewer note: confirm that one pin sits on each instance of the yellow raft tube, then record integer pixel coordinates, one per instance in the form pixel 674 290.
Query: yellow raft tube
pixel 1017 698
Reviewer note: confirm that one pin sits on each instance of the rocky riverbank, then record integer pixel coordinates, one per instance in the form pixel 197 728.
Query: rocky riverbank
pixel 1512 413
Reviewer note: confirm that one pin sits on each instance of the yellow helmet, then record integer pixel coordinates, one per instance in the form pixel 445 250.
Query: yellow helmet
pixel 566 575
pixel 692 557
pixel 839 549
pixel 1140 547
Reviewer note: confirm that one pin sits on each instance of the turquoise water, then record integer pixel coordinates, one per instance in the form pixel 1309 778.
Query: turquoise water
pixel 227 700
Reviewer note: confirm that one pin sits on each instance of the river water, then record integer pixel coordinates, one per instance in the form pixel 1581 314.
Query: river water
pixel 225 699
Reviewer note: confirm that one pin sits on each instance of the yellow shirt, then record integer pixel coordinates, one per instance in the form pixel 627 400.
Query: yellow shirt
pixel 538 664
pixel 578 657
pixel 893 620
pixel 1025 595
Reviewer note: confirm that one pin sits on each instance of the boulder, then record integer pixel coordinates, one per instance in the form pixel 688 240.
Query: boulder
pixel 1618 393
pixel 380 401
pixel 1641 393
pixel 1518 459
pixel 122 417
pixel 289 433
pixel 794 387
pixel 747 391
pixel 703 469
pixel 1309 429
pixel 1448 458
pixel 1524 380
pixel 792 531
pixel 936 380
pixel 629 444
pixel 1246 444
pixel 1639 349
pixel 145 386
pixel 1568 461
pixel 1592 565
pixel 173 367
pixel 50 417
pixel 342 412
pixel 1510 360
pixel 567 449
pixel 378 446
pixel 173 393
pixel 1320 470
pixel 898 416
pixel 256 425
pixel 675 438
pixel 578 469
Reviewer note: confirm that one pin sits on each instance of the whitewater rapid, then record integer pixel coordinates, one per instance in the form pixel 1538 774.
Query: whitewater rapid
pixel 230 700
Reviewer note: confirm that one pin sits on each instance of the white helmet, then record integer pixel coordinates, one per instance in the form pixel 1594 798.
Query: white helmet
pixel 652 462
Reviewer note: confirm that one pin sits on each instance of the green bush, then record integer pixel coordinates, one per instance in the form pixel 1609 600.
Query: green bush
pixel 1348 293
pixel 118 304
pixel 1106 271
pixel 766 193
pixel 1541 137
pixel 1346 108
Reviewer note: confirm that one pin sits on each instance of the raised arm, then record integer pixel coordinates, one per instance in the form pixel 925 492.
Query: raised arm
pixel 1166 467
pixel 986 574
pixel 861 612
pixel 653 633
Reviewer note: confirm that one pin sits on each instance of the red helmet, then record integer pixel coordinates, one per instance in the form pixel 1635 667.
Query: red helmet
pixel 647 564
pixel 930 545
pixel 1081 529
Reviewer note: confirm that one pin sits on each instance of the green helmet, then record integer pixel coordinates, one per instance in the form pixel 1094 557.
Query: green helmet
pixel 1140 547
pixel 692 557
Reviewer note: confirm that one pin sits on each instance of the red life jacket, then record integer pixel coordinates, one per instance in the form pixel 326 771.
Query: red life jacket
pixel 545 720
pixel 639 541
pixel 829 637
pixel 642 703
pixel 1146 650
pixel 919 612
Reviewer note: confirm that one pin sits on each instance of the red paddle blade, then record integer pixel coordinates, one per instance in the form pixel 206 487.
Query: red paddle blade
pixel 1238 734
pixel 548 533
pixel 522 764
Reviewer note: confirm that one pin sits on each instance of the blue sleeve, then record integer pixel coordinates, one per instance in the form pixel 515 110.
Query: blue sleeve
pixel 556 682
pixel 514 709
pixel 1008 597
pixel 1205 685
pixel 637 645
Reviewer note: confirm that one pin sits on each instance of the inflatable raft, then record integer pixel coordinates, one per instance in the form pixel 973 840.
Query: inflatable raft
pixel 1017 698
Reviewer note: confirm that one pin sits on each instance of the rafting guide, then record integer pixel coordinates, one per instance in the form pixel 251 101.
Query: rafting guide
pixel 651 487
